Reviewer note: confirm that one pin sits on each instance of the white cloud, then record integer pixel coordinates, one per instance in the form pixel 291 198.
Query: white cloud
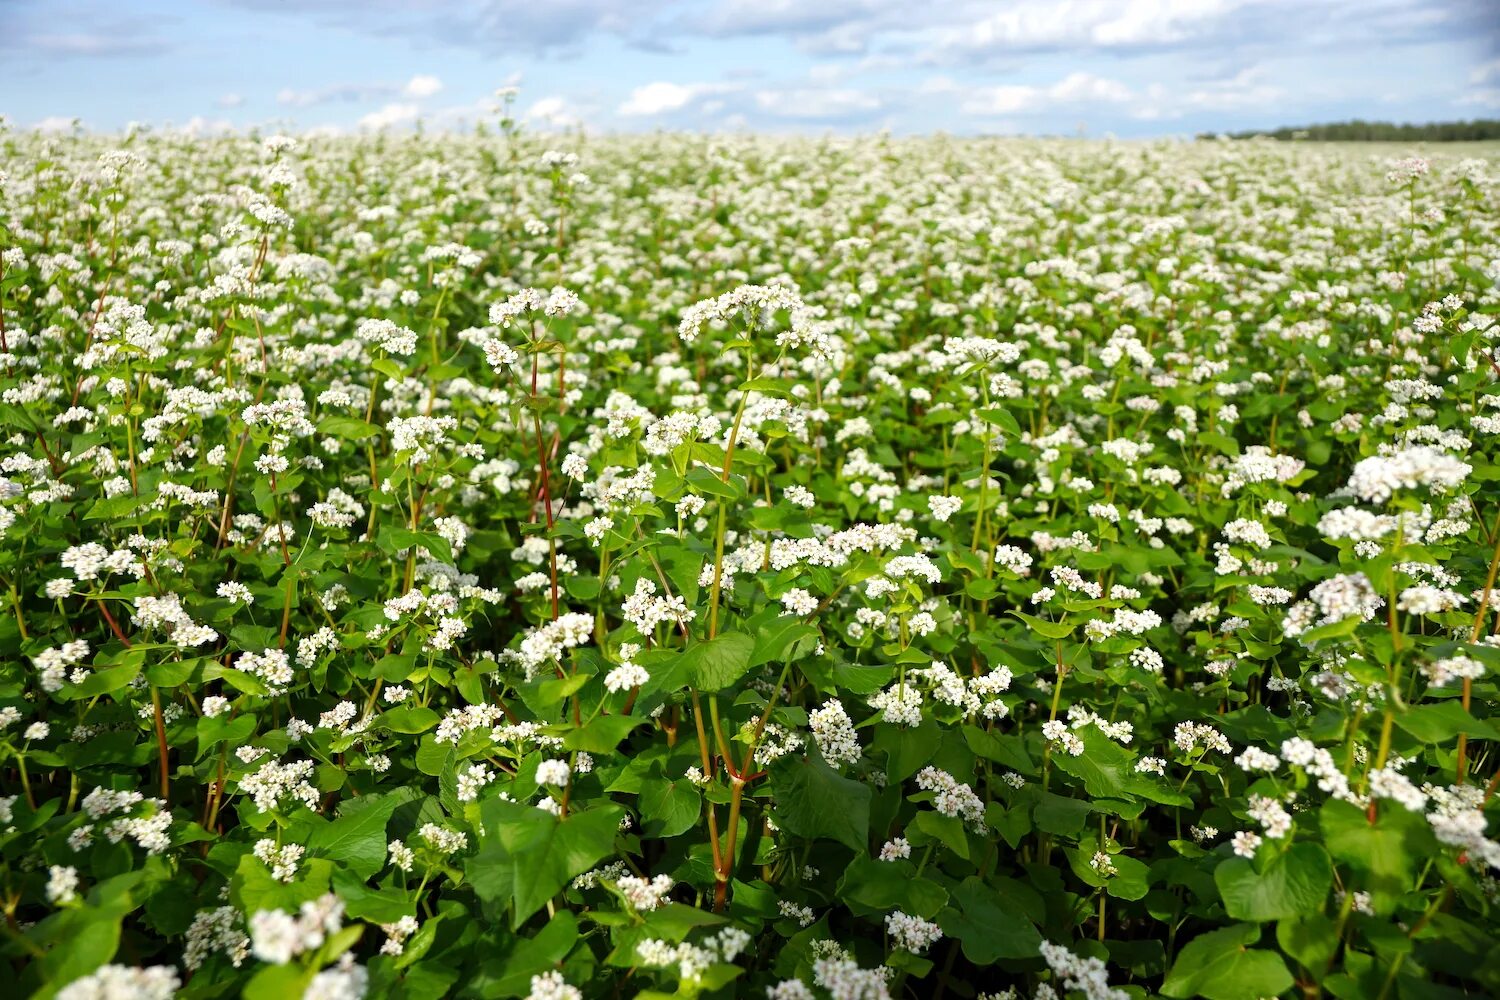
pixel 391 115
pixel 1033 25
pixel 422 85
pixel 55 123
pixel 1158 22
pixel 555 111
pixel 1484 97
pixel 1485 73
pixel 1085 92
pixel 781 17
pixel 657 98
pixel 1085 87
pixel 809 65
pixel 814 103
pixel 662 97
pixel 95 44
pixel 419 87
pixel 1245 91
pixel 293 98
pixel 1075 89
pixel 199 125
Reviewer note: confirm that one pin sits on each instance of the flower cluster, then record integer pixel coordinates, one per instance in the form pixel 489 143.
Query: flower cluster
pixel 508 563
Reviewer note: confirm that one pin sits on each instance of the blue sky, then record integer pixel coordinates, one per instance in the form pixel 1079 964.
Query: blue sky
pixel 1128 67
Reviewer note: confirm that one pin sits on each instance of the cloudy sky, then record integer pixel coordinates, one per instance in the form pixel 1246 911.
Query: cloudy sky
pixel 1130 67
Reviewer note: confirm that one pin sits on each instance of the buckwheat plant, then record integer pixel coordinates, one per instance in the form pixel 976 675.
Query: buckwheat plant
pixel 499 565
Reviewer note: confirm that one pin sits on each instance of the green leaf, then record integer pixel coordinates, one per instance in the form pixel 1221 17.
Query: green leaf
pixel 555 690
pixel 907 750
pixel 1002 418
pixel 393 668
pixel 526 855
pixel 115 508
pixel 347 428
pixel 1222 442
pixel 509 974
pixel 1105 767
pixel 1443 721
pixel 988 927
pixel 1009 750
pixel 720 662
pixel 393 538
pixel 946 830
pixel 1294 883
pixel 874 888
pixel 784 639
pixel 252 887
pixel 1060 815
pixel 601 734
pixel 582 588
pixel 669 808
pixel 765 386
pixel 1044 628
pixel 674 921
pixel 682 565
pixel 381 906
pixel 433 757
pixel 1311 939
pixel 357 837
pixel 102 681
pixel 172 674
pixel 1218 965
pixel 212 732
pixel 1131 880
pixel 83 939
pixel 407 719
pixel 388 368
pixel 704 481
pixel 278 982
pixel 815 801
pixel 1333 630
pixel 1384 855
pixel 982 589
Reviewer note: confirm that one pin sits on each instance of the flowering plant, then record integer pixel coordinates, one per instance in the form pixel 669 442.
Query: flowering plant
pixel 448 565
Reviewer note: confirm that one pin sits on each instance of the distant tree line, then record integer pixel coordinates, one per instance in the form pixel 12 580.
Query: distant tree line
pixel 1359 130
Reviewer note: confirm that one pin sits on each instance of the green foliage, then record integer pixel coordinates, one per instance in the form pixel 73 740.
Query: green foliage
pixel 507 566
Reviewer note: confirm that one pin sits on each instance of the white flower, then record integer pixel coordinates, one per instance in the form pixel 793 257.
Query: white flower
pixel 553 772
pixel 121 982
pixel 911 933
pixel 800 496
pixel 799 602
pixel 625 676
pixel 644 894
pixel 834 734
pixel 1375 479
pixel 235 592
pixel 552 986
pixel 62 884
pixel 944 507
pixel 386 336
pixel 278 937
pixel 1087 975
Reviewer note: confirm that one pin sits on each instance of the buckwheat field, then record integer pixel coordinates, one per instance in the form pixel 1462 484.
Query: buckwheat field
pixel 502 565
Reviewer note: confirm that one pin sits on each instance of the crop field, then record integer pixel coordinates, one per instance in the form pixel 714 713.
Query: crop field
pixel 516 565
